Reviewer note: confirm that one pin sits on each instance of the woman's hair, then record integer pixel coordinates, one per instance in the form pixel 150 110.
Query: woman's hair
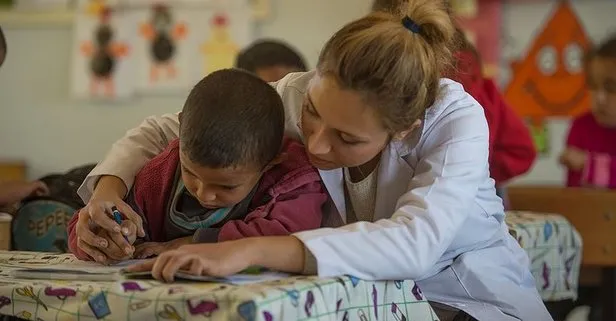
pixel 2 47
pixel 393 59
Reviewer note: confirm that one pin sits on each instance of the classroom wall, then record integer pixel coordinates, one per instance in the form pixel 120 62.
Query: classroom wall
pixel 42 125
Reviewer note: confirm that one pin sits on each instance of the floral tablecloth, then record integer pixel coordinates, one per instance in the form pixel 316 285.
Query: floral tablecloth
pixel 295 298
pixel 555 251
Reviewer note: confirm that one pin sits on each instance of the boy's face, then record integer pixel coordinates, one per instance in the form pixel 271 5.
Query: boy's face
pixel 602 84
pixel 218 187
pixel 274 73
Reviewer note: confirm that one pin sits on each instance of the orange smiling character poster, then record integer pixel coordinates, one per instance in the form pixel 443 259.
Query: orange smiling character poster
pixel 550 80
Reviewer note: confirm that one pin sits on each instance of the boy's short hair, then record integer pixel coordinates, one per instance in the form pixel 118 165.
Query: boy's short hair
pixel 232 118
pixel 605 49
pixel 269 53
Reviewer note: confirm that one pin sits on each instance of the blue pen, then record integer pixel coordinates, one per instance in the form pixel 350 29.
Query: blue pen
pixel 117 217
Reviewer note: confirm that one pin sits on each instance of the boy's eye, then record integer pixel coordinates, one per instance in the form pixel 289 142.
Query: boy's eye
pixel 349 141
pixel 228 188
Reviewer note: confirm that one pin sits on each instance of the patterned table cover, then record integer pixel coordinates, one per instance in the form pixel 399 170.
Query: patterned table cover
pixel 295 298
pixel 555 251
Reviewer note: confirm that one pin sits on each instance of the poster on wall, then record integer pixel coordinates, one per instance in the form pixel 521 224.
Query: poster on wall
pixel 549 81
pixel 163 48
pixel 481 22
pixel 102 55
pixel 225 33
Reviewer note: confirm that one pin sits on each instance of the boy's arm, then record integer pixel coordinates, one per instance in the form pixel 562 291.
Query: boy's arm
pixel 514 152
pixel 600 170
pixel 294 211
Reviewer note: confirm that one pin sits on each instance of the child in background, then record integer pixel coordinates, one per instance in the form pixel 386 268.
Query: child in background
pixel 512 151
pixel 270 60
pixel 230 175
pixel 590 154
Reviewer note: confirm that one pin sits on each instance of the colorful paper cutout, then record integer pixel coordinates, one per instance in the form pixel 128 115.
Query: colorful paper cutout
pixel 550 80
pixel 219 50
pixel 162 33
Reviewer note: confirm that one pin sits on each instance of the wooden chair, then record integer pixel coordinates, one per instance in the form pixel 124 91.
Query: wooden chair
pixel 593 213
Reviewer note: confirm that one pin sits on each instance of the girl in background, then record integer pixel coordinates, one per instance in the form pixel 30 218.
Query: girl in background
pixel 590 154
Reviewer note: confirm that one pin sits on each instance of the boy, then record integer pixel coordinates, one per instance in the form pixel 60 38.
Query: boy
pixel 270 60
pixel 230 175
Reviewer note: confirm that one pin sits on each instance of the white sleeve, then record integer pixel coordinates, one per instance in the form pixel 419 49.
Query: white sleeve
pixel 130 153
pixel 452 165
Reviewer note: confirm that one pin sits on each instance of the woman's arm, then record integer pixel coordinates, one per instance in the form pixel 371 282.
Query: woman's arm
pixel 128 155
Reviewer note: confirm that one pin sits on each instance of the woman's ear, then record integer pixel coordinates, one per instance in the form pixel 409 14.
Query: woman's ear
pixel 404 134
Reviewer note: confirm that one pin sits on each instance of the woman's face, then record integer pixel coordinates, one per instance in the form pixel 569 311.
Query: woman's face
pixel 339 129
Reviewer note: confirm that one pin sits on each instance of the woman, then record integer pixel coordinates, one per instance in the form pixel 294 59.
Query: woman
pixel 404 157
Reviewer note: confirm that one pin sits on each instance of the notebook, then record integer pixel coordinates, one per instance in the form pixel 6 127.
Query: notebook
pixel 99 273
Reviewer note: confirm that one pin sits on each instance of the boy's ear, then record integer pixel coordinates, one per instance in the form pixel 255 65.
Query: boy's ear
pixel 277 160
pixel 180 117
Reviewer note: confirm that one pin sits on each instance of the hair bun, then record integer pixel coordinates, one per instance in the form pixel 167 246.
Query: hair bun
pixel 433 18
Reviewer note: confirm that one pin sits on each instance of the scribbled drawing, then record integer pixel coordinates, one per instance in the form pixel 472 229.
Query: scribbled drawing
pixel 87 293
pixel 24 315
pixel 375 301
pixel 338 305
pixel 546 276
pixel 4 301
pixel 345 316
pixel 163 33
pixel 362 315
pixel 547 231
pixel 398 284
pixel 132 286
pixel 139 305
pixel 247 310
pixel 170 313
pixel 267 316
pixel 103 53
pixel 416 291
pixel 568 267
pixel 99 306
pixel 219 51
pixel 293 295
pixel 309 303
pixel 354 280
pixel 28 292
pixel 203 307
pixel 60 293
pixel 398 315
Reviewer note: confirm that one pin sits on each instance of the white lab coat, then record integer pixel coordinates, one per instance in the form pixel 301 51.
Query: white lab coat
pixel 437 219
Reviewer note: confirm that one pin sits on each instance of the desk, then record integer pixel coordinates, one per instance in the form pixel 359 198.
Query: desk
pixel 555 251
pixel 295 298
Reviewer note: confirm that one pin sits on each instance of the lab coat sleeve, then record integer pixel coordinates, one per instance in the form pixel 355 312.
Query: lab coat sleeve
pixel 453 162
pixel 129 154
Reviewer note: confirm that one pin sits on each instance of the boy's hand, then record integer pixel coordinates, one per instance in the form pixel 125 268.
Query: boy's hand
pixel 149 249
pixel 119 248
pixel 215 259
pixel 573 158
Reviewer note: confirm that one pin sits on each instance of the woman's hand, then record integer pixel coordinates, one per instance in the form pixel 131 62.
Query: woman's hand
pixel 281 253
pixel 13 192
pixel 96 215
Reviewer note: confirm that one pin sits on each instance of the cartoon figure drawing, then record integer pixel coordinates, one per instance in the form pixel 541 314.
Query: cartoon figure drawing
pixel 162 33
pixel 103 51
pixel 219 50
pixel 550 80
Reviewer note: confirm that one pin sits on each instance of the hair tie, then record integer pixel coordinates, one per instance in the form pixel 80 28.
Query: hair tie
pixel 409 24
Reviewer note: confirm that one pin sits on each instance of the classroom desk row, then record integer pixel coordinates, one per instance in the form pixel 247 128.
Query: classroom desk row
pixel 553 245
